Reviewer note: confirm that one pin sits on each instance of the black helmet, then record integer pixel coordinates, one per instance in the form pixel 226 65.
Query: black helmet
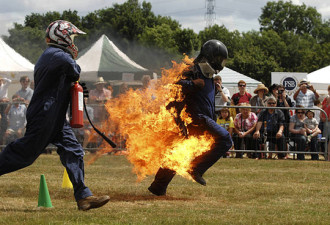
pixel 215 53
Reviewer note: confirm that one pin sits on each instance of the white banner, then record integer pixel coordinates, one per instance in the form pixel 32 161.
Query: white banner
pixel 289 80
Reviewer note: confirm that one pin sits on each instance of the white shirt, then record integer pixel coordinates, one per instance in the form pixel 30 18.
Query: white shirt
pixel 4 88
pixel 218 97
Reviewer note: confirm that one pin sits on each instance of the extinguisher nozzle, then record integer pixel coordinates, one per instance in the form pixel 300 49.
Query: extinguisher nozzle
pixel 107 139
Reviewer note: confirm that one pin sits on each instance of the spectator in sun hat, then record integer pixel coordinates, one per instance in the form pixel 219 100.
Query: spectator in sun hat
pixel 259 98
pixel 242 96
pixel 97 97
pixel 100 93
pixel 306 94
pixel 311 125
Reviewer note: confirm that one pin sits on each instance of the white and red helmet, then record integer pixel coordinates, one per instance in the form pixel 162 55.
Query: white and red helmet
pixel 61 33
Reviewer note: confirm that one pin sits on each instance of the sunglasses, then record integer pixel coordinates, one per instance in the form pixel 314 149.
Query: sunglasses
pixel 242 85
pixel 271 103
pixel 299 112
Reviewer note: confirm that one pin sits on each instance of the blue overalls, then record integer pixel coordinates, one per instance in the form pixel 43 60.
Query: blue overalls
pixel 201 106
pixel 46 123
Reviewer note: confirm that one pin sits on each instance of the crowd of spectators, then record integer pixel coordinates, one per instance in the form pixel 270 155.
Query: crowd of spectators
pixel 284 130
pixel 249 127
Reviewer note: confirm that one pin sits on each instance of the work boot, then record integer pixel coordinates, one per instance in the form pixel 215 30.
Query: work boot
pixel 197 177
pixel 156 191
pixel 92 202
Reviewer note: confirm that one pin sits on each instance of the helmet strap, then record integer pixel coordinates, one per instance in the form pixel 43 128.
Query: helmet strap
pixel 207 70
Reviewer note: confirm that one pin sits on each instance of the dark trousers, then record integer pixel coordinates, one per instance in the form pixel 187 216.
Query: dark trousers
pixel 279 142
pixel 24 151
pixel 250 144
pixel 301 144
pixel 203 162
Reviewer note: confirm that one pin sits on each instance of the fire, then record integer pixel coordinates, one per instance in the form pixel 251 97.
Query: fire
pixel 153 138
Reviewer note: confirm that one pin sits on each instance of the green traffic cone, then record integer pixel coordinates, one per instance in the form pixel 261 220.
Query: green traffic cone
pixel 44 198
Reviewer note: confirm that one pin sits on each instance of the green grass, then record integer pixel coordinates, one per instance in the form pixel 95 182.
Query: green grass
pixel 238 191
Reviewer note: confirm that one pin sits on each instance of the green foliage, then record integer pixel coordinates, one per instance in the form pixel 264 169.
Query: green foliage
pixel 285 16
pixel 232 40
pixel 27 41
pixel 292 38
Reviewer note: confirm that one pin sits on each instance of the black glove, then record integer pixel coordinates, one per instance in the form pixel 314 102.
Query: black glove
pixel 85 90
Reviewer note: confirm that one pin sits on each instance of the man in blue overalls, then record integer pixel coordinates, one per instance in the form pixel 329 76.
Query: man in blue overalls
pixel 54 73
pixel 199 92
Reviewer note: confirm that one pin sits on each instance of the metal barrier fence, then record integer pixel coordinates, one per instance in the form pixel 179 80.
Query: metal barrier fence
pixel 92 146
pixel 290 141
pixel 268 147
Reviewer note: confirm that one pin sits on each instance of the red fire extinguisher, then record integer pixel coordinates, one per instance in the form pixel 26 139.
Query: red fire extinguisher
pixel 77 106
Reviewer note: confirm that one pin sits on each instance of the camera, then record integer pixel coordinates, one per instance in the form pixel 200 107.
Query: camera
pixel 308 86
pixel 280 92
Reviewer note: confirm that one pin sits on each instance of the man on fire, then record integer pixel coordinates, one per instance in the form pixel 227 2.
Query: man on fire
pixel 54 73
pixel 199 92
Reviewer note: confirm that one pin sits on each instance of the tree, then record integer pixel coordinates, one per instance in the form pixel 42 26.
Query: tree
pixel 284 16
pixel 232 40
pixel 254 63
pixel 187 41
pixel 129 19
pixel 29 42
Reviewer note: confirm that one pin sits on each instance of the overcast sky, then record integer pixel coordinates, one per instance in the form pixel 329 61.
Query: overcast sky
pixel 241 15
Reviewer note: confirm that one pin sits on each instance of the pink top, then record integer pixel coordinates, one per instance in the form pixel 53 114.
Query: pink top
pixel 245 124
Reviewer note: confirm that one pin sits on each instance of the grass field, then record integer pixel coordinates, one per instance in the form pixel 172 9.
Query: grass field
pixel 238 191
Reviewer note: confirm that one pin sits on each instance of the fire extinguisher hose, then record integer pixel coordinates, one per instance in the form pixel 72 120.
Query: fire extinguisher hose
pixel 97 131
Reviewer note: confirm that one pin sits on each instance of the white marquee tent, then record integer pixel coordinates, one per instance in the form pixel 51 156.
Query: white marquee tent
pixel 230 79
pixel 320 78
pixel 12 64
pixel 105 59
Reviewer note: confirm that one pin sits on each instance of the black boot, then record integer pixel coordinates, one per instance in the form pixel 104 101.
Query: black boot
pixel 157 191
pixel 162 179
pixel 197 177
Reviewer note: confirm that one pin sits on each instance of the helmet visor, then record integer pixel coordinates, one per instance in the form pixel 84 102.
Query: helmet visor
pixel 218 63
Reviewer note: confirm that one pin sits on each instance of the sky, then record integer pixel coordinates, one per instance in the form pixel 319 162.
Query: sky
pixel 241 15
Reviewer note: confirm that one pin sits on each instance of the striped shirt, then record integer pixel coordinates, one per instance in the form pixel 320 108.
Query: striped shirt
pixel 306 100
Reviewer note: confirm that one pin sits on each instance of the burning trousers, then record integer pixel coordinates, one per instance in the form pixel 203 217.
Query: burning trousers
pixel 24 151
pixel 222 143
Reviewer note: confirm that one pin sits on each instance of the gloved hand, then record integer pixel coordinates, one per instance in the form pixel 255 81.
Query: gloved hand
pixel 85 90
pixel 199 83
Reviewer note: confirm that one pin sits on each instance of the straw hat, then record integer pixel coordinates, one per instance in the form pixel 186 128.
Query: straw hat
pixel 100 80
pixel 303 81
pixel 261 87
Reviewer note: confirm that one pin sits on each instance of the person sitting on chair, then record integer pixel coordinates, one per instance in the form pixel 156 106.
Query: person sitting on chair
pixel 273 121
pixel 245 123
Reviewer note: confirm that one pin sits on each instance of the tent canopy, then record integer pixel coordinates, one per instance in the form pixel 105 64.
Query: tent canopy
pixel 230 79
pixel 12 64
pixel 104 59
pixel 320 78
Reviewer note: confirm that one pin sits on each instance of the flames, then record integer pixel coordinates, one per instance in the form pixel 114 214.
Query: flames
pixel 153 139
